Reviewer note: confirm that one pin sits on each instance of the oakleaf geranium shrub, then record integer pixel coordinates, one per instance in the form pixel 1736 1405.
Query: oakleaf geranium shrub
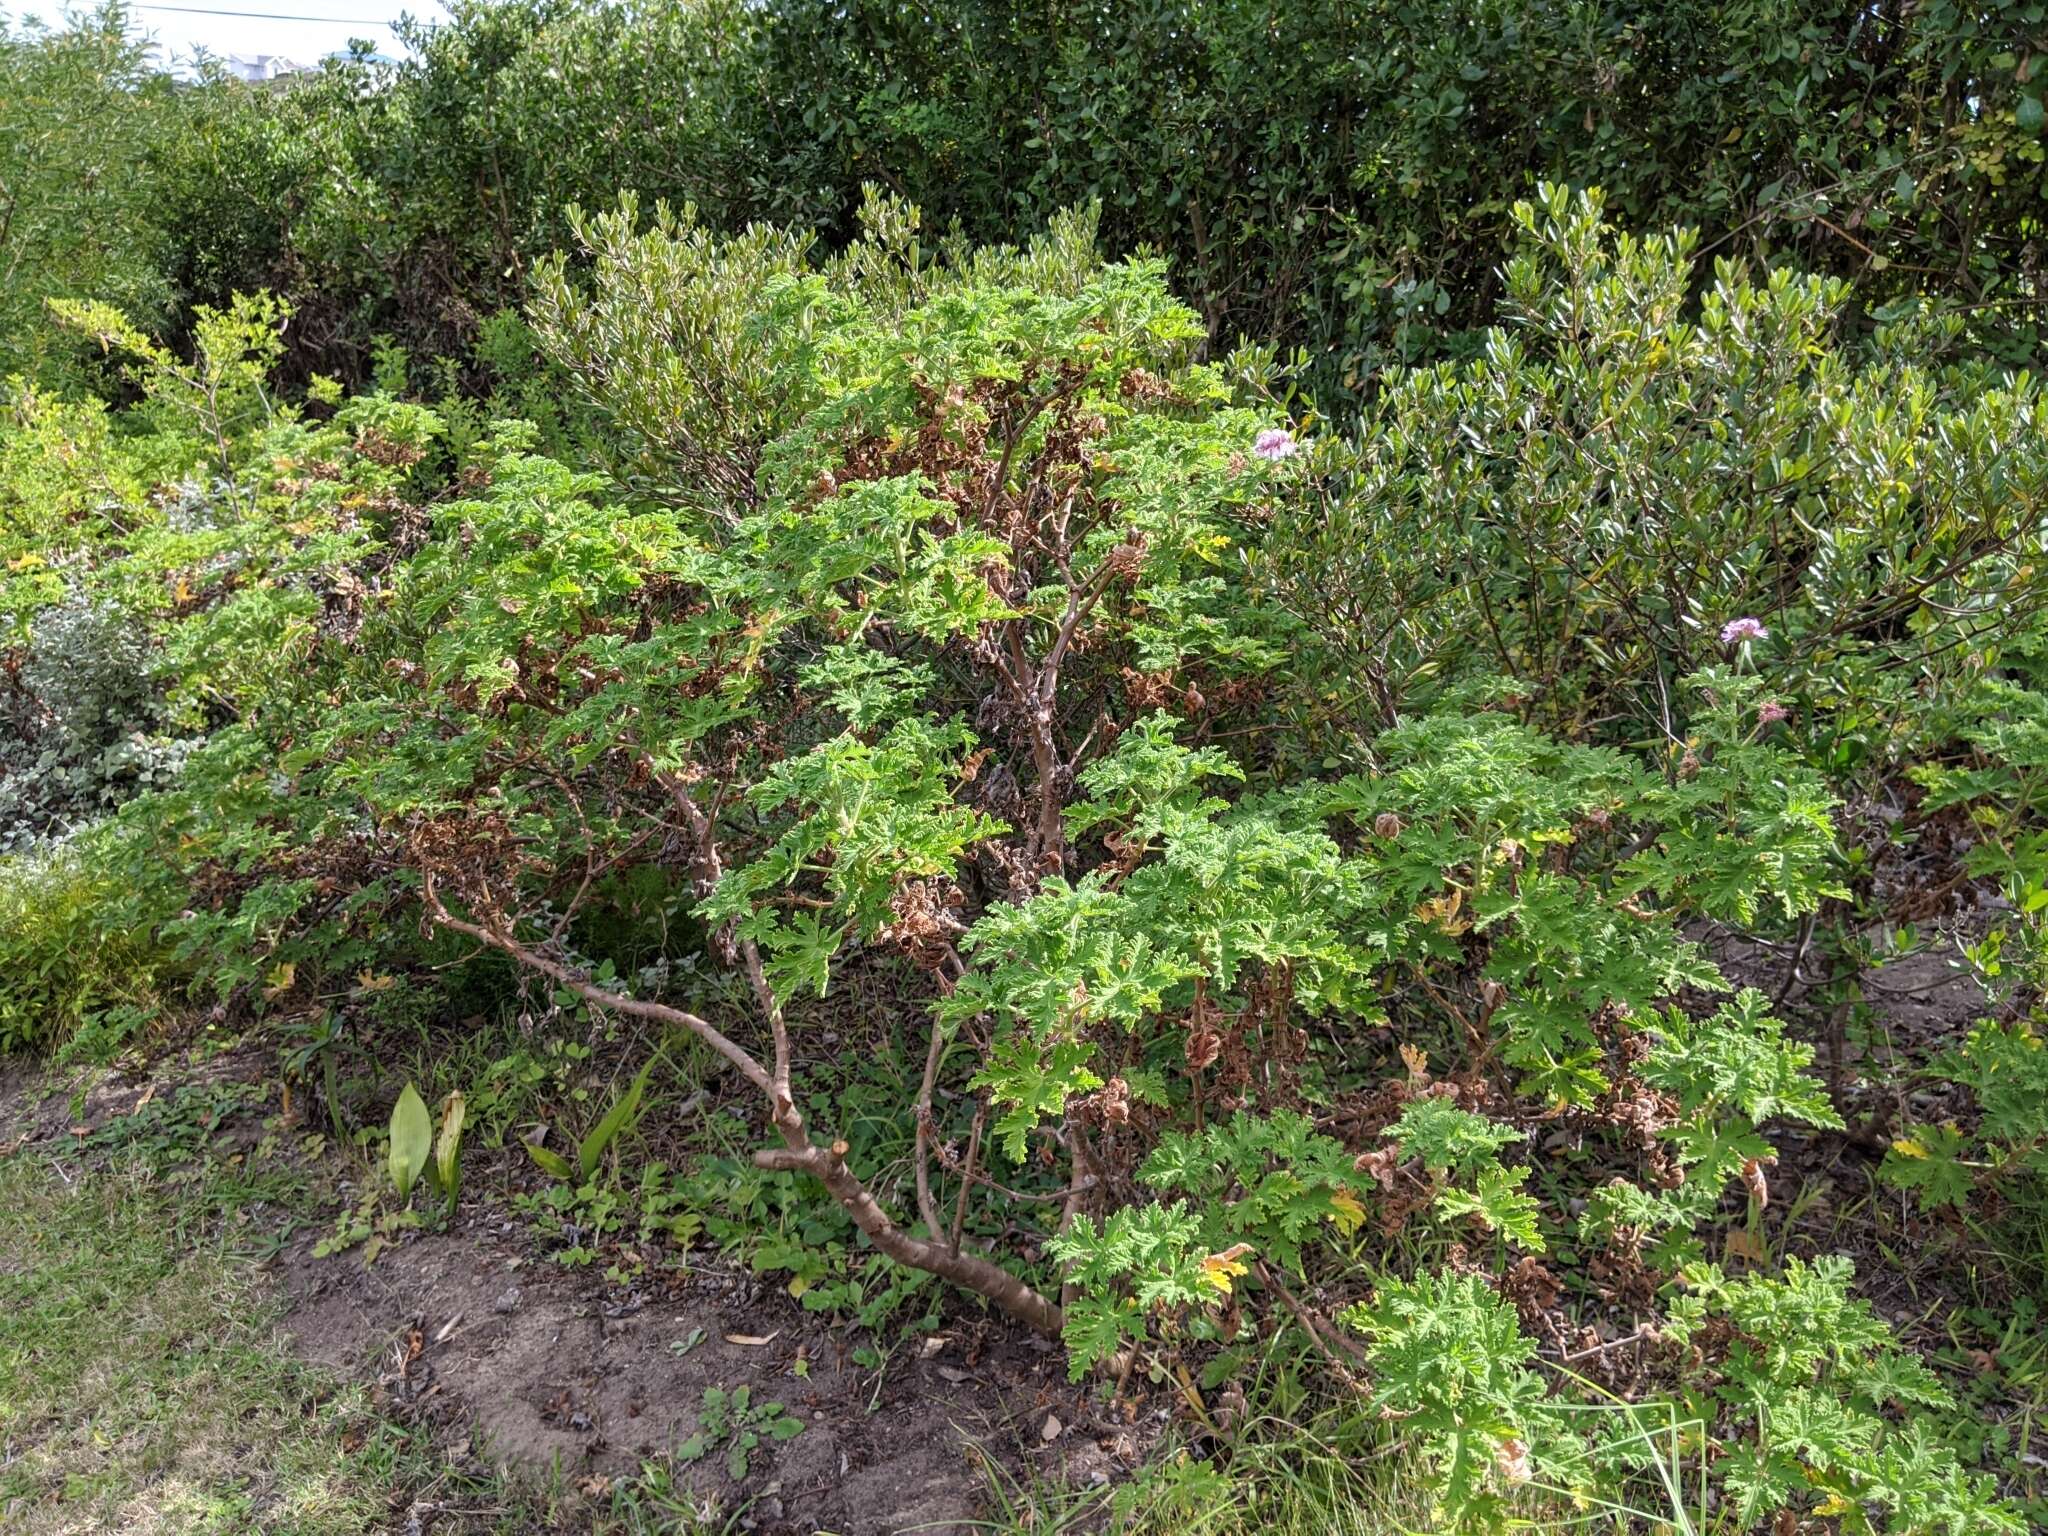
pixel 921 641
pixel 859 695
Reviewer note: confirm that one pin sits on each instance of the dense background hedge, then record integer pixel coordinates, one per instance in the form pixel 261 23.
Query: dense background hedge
pixel 1336 174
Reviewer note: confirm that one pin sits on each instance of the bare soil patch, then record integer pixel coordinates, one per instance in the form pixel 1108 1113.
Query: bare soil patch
pixel 520 1364
pixel 539 1368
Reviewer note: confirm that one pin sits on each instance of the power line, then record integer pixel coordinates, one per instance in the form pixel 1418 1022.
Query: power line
pixel 201 10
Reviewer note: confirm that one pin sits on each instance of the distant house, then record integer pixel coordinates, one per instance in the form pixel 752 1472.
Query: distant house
pixel 270 70
pixel 262 66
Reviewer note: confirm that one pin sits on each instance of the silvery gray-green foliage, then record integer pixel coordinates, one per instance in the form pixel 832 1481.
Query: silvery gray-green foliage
pixel 87 668
pixel 89 726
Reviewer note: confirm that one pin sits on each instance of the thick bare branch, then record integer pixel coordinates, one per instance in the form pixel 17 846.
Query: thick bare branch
pixel 799 1154
pixel 583 987
pixel 828 1166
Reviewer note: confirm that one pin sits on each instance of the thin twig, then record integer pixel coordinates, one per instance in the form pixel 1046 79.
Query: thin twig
pixel 1321 1331
pixel 967 1176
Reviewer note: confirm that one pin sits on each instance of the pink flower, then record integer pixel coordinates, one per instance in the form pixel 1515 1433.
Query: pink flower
pixel 1772 712
pixel 1275 444
pixel 1743 630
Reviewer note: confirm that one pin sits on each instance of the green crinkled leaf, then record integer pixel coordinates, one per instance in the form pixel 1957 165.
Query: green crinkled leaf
pixel 1033 1085
pixel 1500 1204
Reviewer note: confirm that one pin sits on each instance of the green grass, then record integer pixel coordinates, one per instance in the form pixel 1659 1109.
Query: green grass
pixel 144 1385
pixel 147 1387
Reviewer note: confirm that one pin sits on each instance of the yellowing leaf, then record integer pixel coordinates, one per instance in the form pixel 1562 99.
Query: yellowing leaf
pixel 1218 1269
pixel 1346 1214
pixel 1442 911
pixel 280 980
pixel 1906 1146
pixel 1217 1275
pixel 1416 1060
pixel 28 562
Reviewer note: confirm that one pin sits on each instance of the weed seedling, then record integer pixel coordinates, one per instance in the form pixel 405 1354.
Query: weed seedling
pixel 732 1420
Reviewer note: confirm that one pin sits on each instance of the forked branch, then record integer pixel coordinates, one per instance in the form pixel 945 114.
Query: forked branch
pixel 798 1154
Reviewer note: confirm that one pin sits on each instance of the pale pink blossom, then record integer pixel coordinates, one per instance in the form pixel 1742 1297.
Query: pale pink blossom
pixel 1275 444
pixel 1743 629
pixel 1772 712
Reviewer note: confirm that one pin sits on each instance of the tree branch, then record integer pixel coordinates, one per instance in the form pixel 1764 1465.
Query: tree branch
pixel 798 1154
pixel 576 982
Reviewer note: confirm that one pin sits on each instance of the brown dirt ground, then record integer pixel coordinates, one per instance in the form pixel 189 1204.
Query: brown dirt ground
pixel 519 1363
pixel 541 1368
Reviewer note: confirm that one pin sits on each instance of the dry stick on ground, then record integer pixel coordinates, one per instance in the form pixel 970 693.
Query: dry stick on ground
pixel 799 1154
pixel 1321 1331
